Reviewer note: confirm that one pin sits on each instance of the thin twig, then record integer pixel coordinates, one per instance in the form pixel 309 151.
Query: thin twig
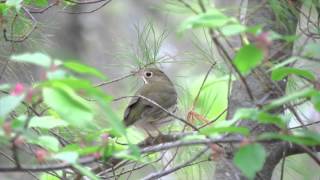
pixel 169 171
pixel 115 80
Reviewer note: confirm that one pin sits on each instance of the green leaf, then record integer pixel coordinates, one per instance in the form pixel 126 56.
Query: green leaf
pixel 9 103
pixel 41 3
pixel 86 172
pixel 46 122
pixel 71 107
pixel 304 93
pixel 4 9
pixel 4 87
pixel 210 19
pixel 47 176
pixel 247 58
pixel 83 69
pixel 233 129
pixel 315 99
pixel 81 151
pixel 233 29
pixel 303 137
pixel 280 73
pixel 260 116
pixel 39 59
pixel 81 85
pixel 250 159
pixel 48 142
pixel 14 3
pixel 67 156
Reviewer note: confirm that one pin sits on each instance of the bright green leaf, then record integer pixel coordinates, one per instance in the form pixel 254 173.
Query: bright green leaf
pixel 248 57
pixel 250 159
pixel 71 107
pixel 47 176
pixel 9 103
pixel 39 59
pixel 81 151
pixel 233 29
pixel 210 19
pixel 280 73
pixel 83 69
pixel 47 122
pixel 315 99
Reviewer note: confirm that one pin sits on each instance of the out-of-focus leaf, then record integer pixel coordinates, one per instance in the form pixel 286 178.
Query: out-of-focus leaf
pixel 260 116
pixel 248 57
pixel 304 138
pixel 280 73
pixel 47 122
pixel 81 151
pixel 5 86
pixel 68 156
pixel 9 103
pixel 83 69
pixel 232 129
pixel 14 3
pixel 39 59
pixel 250 159
pixel 305 93
pixel 315 99
pixel 233 29
pixel 85 171
pixel 71 107
pixel 47 176
pixel 48 142
pixel 211 19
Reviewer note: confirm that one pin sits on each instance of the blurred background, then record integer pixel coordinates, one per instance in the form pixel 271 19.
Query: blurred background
pixel 108 39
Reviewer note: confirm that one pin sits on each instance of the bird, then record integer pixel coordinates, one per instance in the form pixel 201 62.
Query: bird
pixel 146 115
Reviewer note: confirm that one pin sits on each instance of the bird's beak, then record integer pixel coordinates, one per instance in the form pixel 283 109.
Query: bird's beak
pixel 140 74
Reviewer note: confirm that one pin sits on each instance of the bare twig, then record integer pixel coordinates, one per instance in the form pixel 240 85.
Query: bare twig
pixel 115 80
pixel 169 171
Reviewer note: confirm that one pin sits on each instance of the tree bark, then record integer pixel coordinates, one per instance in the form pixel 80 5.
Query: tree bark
pixel 261 89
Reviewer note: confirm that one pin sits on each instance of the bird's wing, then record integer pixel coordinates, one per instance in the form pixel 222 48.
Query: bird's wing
pixel 134 111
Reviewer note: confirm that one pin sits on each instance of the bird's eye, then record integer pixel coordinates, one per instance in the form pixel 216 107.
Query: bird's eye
pixel 148 74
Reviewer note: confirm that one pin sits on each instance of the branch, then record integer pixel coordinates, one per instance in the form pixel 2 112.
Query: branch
pixel 169 171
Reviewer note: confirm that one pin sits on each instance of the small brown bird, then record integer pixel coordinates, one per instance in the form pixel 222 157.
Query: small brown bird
pixel 144 114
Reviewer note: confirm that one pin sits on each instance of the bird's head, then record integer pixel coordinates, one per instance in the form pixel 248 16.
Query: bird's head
pixel 153 75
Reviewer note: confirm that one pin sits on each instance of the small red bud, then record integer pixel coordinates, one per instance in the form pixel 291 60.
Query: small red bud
pixel 41 155
pixel 19 141
pixel 263 39
pixel 17 90
pixel 7 128
pixel 97 155
pixel 29 95
pixel 105 137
